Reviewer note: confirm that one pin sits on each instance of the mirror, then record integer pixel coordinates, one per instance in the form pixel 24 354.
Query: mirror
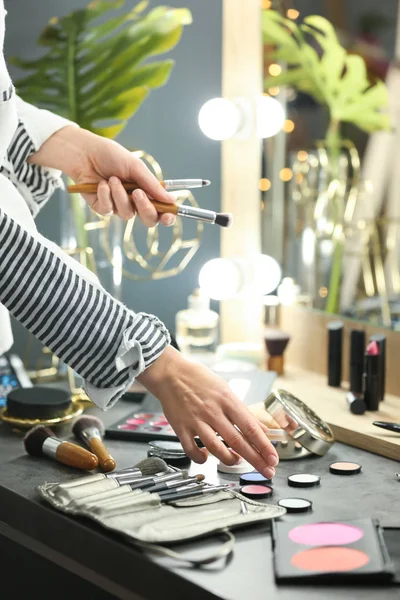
pixel 329 192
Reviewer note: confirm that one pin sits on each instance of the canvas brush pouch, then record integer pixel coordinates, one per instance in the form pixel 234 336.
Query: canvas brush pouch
pixel 142 519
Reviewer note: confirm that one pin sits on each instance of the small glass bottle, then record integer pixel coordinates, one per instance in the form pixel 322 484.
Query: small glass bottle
pixel 197 326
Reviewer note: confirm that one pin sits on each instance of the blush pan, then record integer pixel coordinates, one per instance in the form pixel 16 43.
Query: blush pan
pixel 325 534
pixel 144 427
pixel 330 559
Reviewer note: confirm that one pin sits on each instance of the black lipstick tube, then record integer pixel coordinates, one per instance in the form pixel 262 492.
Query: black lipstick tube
pixel 357 349
pixel 335 342
pixel 371 381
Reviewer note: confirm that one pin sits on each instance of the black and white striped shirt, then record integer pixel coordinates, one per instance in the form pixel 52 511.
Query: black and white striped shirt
pixel 52 295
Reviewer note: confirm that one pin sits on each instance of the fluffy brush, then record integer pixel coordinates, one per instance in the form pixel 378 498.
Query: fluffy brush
pixel 41 441
pixel 90 430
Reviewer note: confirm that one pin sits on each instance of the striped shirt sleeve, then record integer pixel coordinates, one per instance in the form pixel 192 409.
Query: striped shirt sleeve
pixel 104 342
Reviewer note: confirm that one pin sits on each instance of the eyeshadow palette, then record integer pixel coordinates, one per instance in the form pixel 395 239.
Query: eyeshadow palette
pixel 331 552
pixel 142 427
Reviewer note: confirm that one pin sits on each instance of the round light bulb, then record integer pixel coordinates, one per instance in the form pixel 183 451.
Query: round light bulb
pixel 287 291
pixel 267 274
pixel 219 118
pixel 219 278
pixel 308 247
pixel 270 116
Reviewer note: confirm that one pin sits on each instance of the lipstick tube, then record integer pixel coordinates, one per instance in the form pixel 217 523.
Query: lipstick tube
pixel 371 381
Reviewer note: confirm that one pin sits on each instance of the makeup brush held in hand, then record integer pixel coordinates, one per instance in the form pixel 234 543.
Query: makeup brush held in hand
pixel 41 441
pixel 129 186
pixel 91 431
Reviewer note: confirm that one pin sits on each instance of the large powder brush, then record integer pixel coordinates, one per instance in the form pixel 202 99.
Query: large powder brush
pixel 41 441
pixel 276 342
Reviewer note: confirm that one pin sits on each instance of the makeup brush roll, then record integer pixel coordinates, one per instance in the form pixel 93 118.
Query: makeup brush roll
pixel 304 433
pixel 142 519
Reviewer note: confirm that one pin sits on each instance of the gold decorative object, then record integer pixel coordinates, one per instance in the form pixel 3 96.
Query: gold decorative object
pixel 74 411
pixel 326 202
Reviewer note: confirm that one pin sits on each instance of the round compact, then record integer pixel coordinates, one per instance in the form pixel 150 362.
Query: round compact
pixel 344 468
pixel 295 505
pixel 256 492
pixel 254 478
pixel 167 446
pixel 41 403
pixel 172 452
pixel 306 432
pixel 242 467
pixel 303 480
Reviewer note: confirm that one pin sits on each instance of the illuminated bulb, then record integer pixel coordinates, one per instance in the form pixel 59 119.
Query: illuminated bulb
pixel 302 155
pixel 286 174
pixel 274 69
pixel 270 116
pixel 219 118
pixel 267 274
pixel 323 292
pixel 274 91
pixel 288 126
pixel 266 4
pixel 219 278
pixel 264 184
pixel 292 13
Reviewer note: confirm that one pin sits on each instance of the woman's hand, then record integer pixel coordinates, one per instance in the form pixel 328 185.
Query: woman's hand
pixel 197 402
pixel 89 158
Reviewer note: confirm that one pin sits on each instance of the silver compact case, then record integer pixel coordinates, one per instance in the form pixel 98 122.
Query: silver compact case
pixel 302 432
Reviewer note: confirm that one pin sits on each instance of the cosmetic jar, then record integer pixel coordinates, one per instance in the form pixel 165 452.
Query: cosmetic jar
pixel 302 432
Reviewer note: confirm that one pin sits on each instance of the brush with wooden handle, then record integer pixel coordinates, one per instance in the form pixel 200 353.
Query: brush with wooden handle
pixel 91 431
pixel 41 441
pixel 182 210
pixel 129 186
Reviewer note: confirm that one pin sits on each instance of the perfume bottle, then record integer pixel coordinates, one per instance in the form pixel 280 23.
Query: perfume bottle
pixel 197 326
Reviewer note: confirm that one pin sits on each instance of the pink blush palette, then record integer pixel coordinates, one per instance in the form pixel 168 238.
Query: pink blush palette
pixel 331 552
pixel 142 427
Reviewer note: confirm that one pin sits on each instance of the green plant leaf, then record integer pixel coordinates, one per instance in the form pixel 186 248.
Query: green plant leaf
pixel 98 71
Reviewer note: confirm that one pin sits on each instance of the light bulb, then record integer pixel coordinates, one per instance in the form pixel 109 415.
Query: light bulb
pixel 287 291
pixel 219 278
pixel 267 274
pixel 219 118
pixel 270 116
pixel 308 247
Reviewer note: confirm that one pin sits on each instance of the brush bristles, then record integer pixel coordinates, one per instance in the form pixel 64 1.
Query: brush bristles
pixel 224 219
pixel 85 423
pixel 200 477
pixel 35 438
pixel 151 466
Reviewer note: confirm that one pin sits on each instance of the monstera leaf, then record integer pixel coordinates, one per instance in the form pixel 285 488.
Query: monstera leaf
pixel 95 71
pixel 318 65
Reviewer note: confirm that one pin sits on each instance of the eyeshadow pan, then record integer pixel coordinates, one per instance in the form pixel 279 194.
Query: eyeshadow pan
pixel 325 534
pixel 127 427
pixel 344 468
pixel 295 505
pixel 253 477
pixel 153 429
pixel 256 491
pixel 136 421
pixel 330 559
pixel 303 480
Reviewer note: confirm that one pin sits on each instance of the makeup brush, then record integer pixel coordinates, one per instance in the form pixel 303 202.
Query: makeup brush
pixel 90 430
pixel 166 485
pixel 41 441
pixel 174 496
pixel 168 184
pixel 147 482
pixel 192 212
pixel 276 342
pixel 147 467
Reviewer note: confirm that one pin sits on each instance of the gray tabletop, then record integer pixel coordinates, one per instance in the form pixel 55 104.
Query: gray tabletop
pixel 248 572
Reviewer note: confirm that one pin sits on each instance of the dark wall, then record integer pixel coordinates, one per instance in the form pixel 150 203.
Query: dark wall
pixel 165 126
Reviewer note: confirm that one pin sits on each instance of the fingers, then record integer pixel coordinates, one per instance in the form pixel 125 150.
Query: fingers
pixel 146 211
pixel 252 434
pixel 217 448
pixel 148 182
pixel 124 206
pixel 104 204
pixel 198 455
pixel 241 445
pixel 167 219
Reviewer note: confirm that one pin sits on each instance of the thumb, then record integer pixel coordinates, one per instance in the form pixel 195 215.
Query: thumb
pixel 149 182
